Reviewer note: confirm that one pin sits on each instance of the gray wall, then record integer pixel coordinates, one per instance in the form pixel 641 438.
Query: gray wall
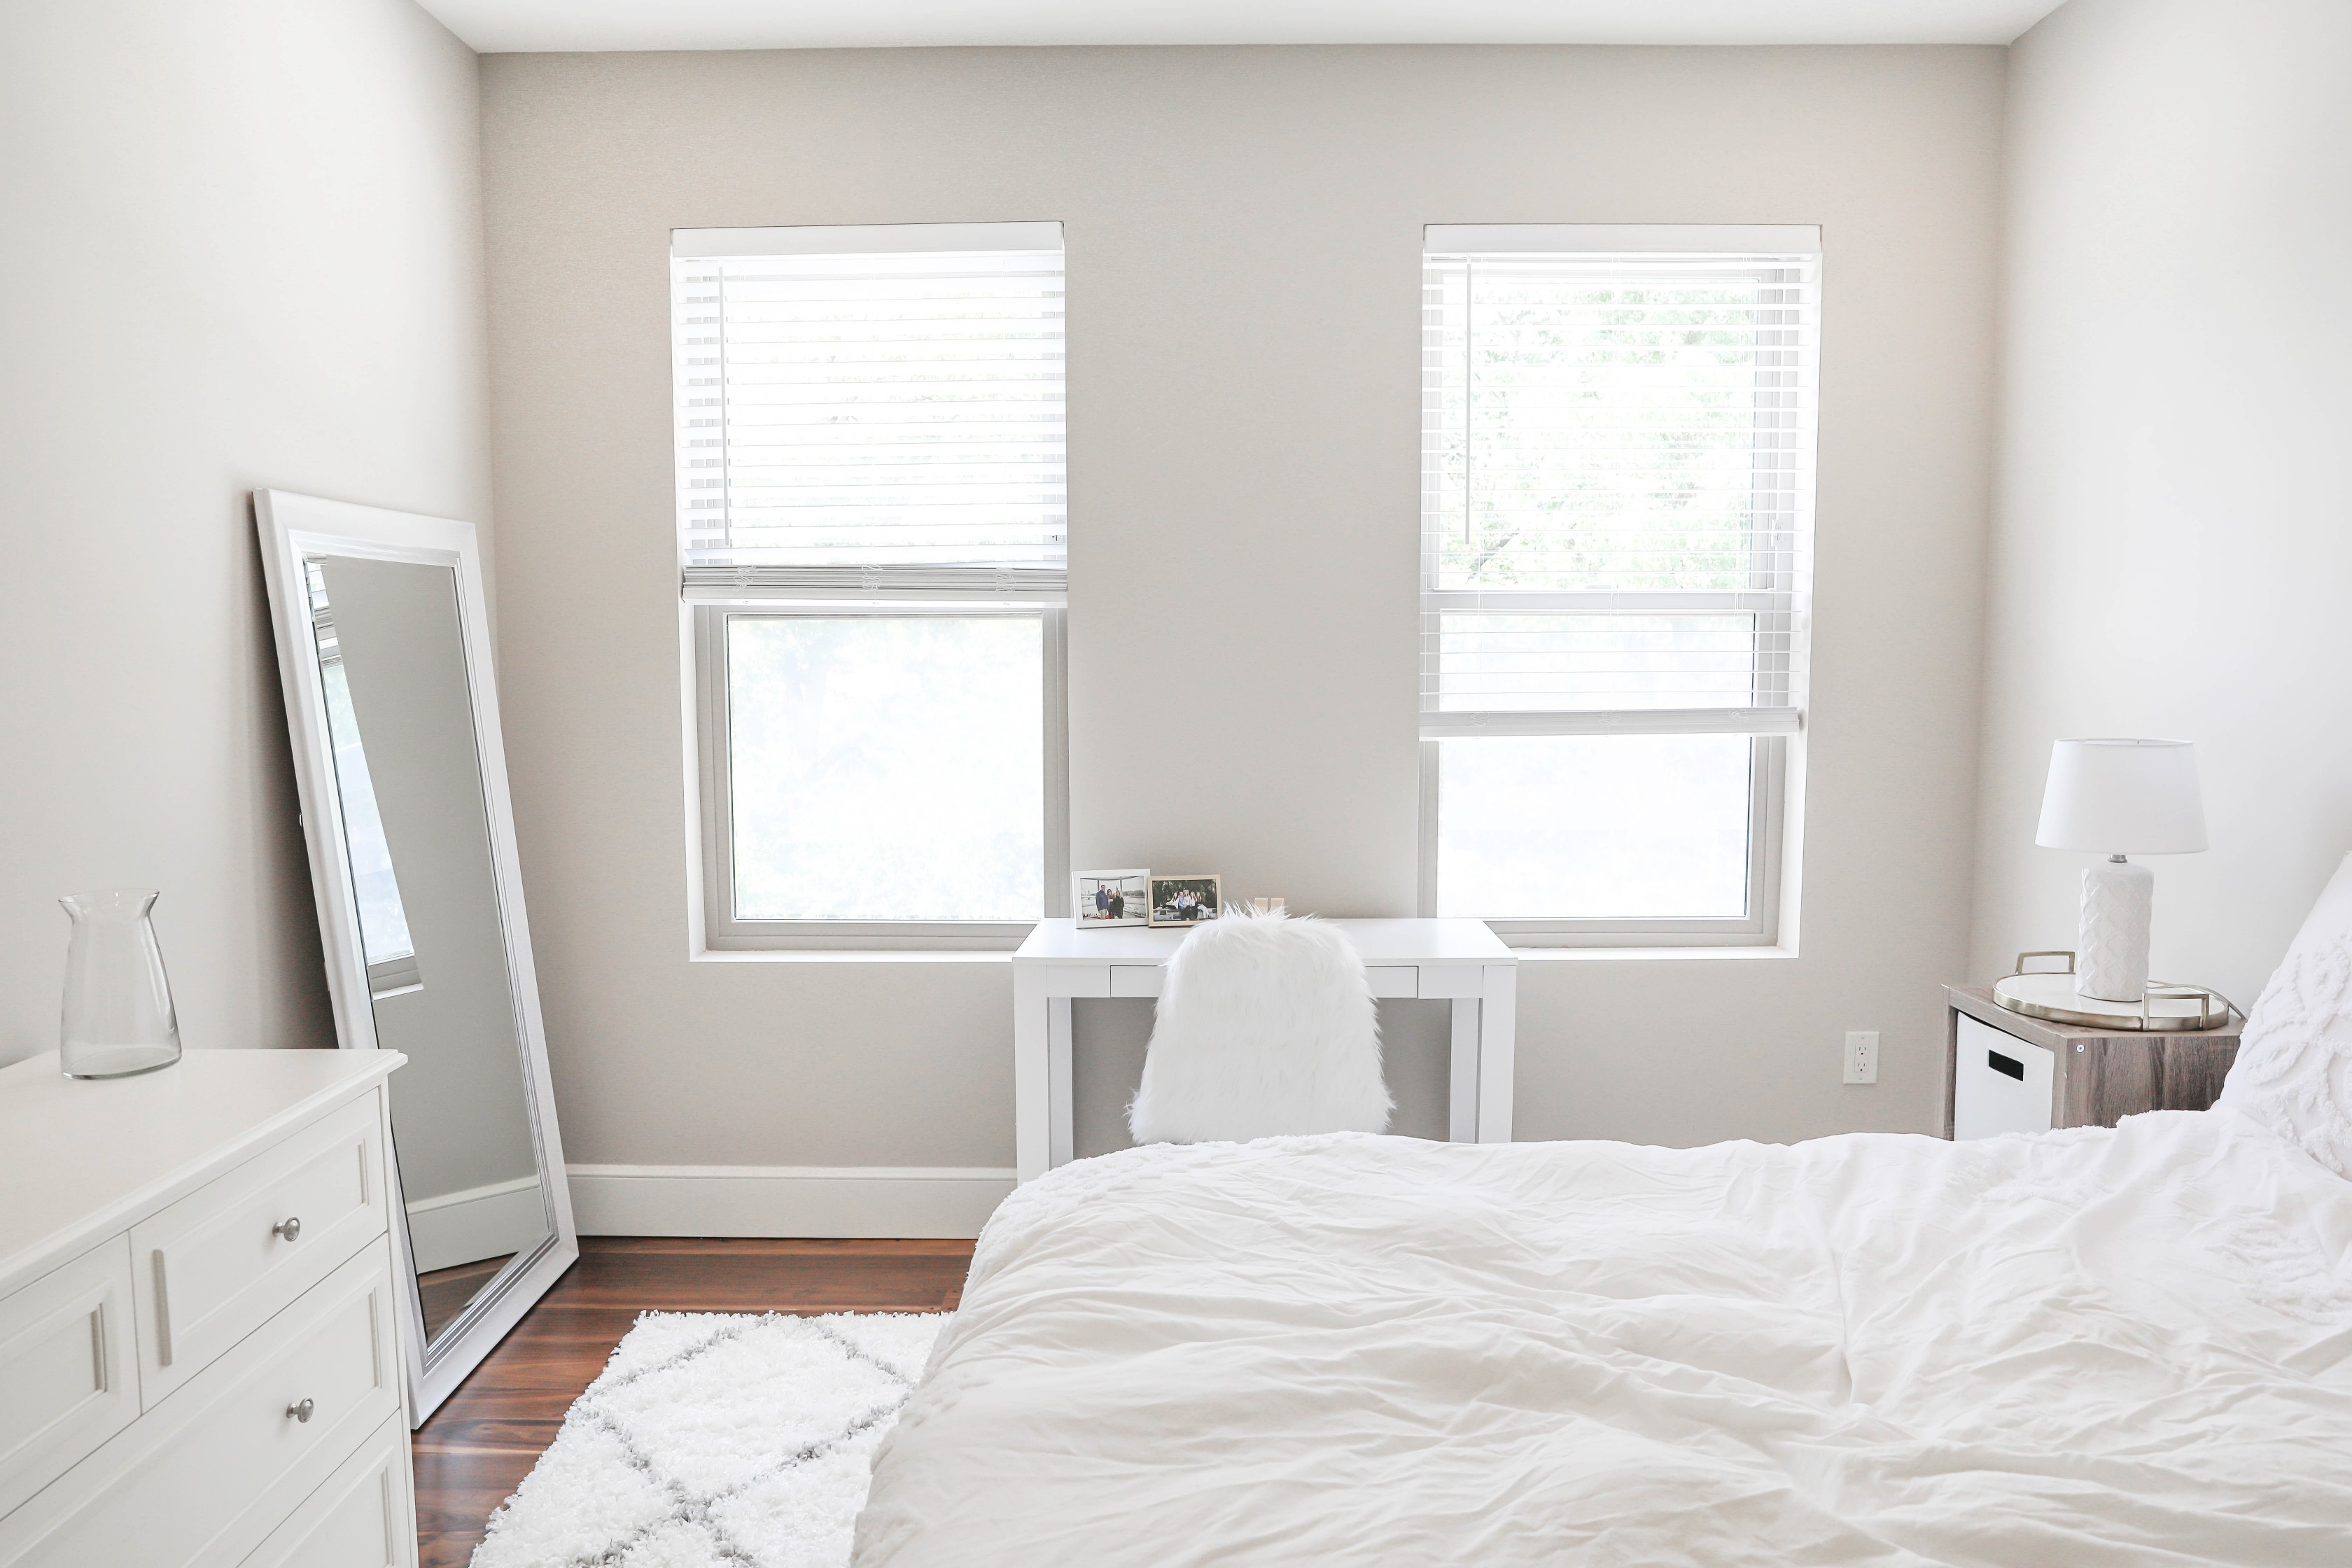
pixel 243 245
pixel 1243 229
pixel 2174 543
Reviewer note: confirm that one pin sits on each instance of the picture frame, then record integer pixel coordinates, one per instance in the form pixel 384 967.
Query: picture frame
pixel 1104 898
pixel 1185 899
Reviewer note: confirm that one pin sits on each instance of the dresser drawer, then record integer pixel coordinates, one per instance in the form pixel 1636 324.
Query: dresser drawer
pixel 203 1480
pixel 218 1263
pixel 363 1516
pixel 66 1378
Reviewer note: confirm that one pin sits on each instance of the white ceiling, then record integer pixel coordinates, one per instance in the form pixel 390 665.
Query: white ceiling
pixel 512 25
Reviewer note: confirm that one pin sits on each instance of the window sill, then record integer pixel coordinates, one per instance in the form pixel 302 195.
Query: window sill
pixel 850 955
pixel 1004 955
pixel 1644 954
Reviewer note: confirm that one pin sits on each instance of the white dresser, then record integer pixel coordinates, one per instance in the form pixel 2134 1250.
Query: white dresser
pixel 199 1318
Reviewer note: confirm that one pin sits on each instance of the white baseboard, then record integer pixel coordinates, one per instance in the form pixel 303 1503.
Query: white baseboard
pixel 476 1222
pixel 786 1200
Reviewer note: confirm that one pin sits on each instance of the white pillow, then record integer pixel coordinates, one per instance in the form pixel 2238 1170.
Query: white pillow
pixel 2293 1071
pixel 1265 1026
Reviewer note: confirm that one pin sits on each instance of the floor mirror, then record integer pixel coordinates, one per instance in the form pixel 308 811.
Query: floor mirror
pixel 383 648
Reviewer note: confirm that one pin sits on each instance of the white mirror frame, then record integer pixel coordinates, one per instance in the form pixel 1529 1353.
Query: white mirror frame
pixel 291 527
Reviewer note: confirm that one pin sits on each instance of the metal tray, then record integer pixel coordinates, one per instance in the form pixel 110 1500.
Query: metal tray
pixel 2167 1008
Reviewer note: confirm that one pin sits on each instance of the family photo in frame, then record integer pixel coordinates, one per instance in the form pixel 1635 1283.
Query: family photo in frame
pixel 1111 899
pixel 1185 900
pixel 1136 898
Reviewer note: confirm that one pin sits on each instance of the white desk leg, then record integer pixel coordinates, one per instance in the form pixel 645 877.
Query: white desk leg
pixel 1032 1088
pixel 1497 1051
pixel 1060 1144
pixel 1462 1095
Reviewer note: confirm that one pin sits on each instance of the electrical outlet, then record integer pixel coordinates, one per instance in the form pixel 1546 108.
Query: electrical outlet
pixel 1862 1056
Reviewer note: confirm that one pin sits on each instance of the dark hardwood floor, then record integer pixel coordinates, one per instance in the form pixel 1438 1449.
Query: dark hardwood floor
pixel 443 1292
pixel 484 1439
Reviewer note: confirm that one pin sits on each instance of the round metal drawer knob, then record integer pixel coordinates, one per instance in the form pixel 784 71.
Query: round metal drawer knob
pixel 291 1229
pixel 301 1411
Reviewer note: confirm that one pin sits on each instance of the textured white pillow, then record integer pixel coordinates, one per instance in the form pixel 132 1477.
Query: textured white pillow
pixel 1265 1026
pixel 2293 1071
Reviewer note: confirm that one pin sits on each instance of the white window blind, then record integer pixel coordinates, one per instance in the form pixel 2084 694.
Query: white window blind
pixel 870 412
pixel 1617 479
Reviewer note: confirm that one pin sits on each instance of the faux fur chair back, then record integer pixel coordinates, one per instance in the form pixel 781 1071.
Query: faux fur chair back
pixel 1265 1026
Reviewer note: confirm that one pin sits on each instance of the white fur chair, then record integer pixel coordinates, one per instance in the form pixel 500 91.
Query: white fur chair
pixel 1265 1026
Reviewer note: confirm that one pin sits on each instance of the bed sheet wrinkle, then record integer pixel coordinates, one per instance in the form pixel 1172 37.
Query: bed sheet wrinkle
pixel 2094 1349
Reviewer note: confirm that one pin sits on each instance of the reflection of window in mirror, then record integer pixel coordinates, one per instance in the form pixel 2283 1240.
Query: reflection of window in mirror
pixel 383 923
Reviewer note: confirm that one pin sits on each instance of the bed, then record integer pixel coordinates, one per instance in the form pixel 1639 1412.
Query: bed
pixel 2102 1346
pixel 2127 1346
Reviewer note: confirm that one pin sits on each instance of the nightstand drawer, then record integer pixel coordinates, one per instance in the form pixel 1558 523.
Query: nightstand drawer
pixel 2000 1083
pixel 220 1262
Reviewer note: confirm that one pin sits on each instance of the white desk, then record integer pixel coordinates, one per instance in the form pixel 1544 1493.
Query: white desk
pixel 1459 960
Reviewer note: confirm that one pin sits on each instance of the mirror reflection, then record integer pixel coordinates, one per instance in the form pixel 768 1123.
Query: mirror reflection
pixel 416 830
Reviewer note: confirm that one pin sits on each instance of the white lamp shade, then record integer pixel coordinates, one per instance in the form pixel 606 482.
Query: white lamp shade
pixel 2123 797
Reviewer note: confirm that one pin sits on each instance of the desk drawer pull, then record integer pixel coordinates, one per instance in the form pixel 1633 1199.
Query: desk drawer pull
pixel 301 1411
pixel 290 1228
pixel 2009 1065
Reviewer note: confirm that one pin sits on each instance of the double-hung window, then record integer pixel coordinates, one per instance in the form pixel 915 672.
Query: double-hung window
pixel 1617 471
pixel 870 481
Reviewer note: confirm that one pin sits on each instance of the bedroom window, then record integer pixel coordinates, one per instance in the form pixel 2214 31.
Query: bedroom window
pixel 1617 496
pixel 870 437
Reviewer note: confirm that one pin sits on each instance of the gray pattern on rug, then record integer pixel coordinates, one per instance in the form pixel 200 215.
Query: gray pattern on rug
pixel 715 1438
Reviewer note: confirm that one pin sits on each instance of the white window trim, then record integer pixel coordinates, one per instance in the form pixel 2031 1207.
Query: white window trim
pixel 1622 238
pixel 394 977
pixel 864 239
pixel 1776 753
pixel 1770 804
pixel 717 928
pixel 709 594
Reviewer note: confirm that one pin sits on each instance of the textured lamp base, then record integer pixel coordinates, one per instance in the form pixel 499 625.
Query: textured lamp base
pixel 2111 961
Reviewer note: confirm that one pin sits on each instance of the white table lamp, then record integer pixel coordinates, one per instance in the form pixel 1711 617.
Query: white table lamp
pixel 2118 798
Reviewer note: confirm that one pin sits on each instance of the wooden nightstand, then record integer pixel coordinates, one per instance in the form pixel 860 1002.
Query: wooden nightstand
pixel 2004 1072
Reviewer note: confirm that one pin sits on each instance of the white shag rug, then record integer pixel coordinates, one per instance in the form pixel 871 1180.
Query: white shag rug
pixel 714 1439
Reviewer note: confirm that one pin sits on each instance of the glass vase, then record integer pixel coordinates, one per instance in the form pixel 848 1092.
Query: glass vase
pixel 118 1015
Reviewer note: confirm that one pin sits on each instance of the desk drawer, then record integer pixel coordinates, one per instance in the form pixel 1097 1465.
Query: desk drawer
pixel 218 1263
pixel 361 1517
pixel 66 1378
pixel 1077 979
pixel 1136 978
pixel 1453 980
pixel 203 1480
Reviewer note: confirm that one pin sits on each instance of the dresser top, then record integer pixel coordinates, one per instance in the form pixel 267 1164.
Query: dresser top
pixel 84 1159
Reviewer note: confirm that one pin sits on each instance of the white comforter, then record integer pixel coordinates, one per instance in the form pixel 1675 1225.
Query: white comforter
pixel 2082 1349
